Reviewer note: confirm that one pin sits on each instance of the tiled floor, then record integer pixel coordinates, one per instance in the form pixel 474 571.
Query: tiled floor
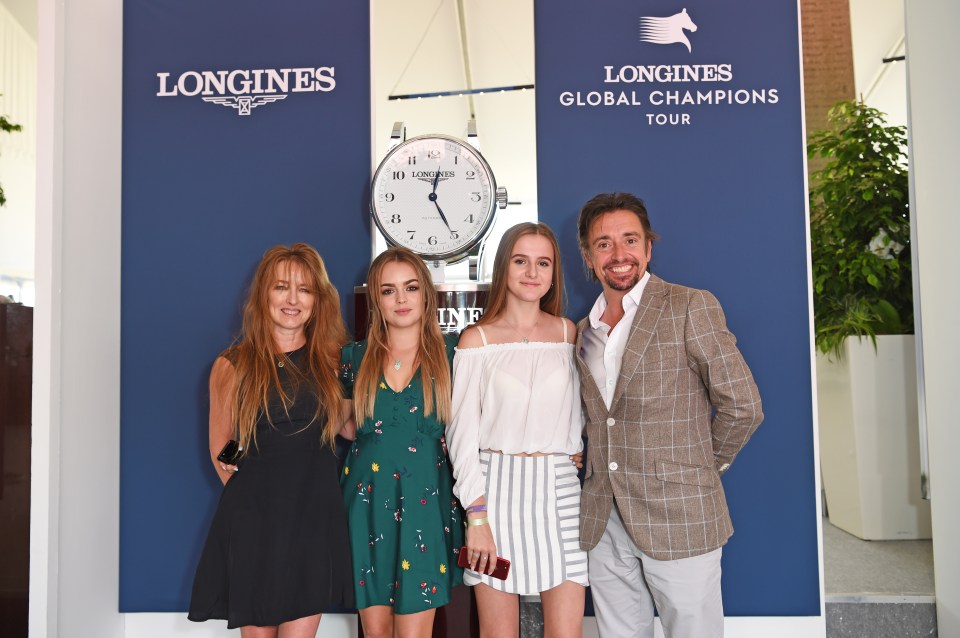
pixel 888 568
pixel 877 589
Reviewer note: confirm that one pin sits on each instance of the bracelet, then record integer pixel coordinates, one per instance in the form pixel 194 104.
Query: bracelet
pixel 477 521
pixel 473 509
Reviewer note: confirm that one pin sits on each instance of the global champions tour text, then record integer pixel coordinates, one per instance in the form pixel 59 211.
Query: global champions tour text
pixel 663 97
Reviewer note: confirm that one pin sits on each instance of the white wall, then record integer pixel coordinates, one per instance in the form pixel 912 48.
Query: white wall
pixel 877 30
pixel 932 47
pixel 75 490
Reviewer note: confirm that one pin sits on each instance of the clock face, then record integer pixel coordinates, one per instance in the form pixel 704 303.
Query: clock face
pixel 434 195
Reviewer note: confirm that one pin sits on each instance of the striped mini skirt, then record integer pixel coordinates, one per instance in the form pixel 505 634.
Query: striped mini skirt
pixel 533 506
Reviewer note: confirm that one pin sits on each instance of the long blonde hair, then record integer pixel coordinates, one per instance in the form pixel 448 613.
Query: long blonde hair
pixel 255 355
pixel 432 354
pixel 552 301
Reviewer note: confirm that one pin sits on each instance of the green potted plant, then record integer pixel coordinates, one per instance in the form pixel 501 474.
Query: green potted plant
pixel 866 388
pixel 860 228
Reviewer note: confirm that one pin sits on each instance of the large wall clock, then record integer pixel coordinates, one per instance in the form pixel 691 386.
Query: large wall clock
pixel 436 195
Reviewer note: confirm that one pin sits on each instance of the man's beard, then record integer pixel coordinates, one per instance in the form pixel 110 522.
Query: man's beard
pixel 617 285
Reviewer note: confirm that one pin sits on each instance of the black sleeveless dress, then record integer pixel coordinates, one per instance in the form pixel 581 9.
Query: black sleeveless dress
pixel 278 547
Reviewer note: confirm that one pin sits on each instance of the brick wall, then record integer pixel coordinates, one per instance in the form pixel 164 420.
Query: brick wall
pixel 827 60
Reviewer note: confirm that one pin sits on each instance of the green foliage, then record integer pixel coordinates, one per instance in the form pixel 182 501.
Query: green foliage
pixel 6 126
pixel 860 228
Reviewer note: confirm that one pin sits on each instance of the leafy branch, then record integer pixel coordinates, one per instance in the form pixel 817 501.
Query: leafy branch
pixel 6 126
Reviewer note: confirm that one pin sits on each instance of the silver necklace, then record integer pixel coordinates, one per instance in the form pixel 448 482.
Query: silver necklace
pixel 524 338
pixel 397 364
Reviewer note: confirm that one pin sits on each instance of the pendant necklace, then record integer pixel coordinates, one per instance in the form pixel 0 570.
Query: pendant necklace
pixel 523 338
pixel 397 364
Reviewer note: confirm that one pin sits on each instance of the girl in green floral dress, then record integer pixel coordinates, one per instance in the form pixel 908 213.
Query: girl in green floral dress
pixel 405 525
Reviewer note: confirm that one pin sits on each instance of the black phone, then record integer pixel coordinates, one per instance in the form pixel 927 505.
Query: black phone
pixel 231 453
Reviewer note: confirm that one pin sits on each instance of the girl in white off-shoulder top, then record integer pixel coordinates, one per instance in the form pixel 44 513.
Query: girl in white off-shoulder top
pixel 516 421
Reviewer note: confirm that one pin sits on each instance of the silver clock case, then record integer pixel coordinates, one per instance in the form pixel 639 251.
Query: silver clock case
pixel 499 200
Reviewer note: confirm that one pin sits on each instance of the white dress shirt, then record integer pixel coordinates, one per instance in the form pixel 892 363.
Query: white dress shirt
pixel 602 348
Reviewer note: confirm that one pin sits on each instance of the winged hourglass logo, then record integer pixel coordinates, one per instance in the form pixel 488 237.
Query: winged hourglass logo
pixel 244 104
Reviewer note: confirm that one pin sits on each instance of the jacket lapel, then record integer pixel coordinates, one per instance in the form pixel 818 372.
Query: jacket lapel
pixel 641 332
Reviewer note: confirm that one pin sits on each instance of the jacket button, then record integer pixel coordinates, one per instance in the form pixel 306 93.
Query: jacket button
pixel 611 421
pixel 613 467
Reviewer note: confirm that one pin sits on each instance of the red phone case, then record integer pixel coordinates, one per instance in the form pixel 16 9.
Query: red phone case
pixel 501 571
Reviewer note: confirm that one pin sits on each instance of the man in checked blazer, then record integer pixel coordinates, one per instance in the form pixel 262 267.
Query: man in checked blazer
pixel 669 402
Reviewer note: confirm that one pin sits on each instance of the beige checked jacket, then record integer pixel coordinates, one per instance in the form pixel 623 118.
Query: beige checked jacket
pixel 684 406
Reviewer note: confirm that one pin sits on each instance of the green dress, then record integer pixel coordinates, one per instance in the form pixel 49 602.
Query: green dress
pixel 405 524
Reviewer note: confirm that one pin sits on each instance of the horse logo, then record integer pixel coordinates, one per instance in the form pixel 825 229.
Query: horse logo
pixel 667 30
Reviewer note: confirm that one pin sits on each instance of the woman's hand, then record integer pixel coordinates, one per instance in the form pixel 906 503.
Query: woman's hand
pixel 577 459
pixel 223 381
pixel 482 549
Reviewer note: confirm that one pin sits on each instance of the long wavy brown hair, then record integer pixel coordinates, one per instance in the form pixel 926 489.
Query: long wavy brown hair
pixel 254 356
pixel 432 355
pixel 552 302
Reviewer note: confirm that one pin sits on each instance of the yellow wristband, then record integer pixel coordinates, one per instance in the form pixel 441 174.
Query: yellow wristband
pixel 477 521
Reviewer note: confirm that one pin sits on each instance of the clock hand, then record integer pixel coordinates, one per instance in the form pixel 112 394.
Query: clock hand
pixel 442 216
pixel 436 180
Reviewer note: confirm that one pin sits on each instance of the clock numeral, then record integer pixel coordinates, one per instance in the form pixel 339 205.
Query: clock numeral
pixel 471 174
pixel 399 175
pixel 454 234
pixel 456 159
pixel 412 160
pixel 469 218
pixel 389 197
pixel 474 197
pixel 411 233
pixel 395 218
pixel 434 154
pixel 432 240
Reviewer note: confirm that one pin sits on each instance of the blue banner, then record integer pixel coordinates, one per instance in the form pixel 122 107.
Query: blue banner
pixel 696 107
pixel 245 124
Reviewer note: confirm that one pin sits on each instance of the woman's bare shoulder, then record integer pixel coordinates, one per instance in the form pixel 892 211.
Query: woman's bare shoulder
pixel 470 338
pixel 222 369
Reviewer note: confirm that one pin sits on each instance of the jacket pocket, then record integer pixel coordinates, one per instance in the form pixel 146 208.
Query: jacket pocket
pixel 671 472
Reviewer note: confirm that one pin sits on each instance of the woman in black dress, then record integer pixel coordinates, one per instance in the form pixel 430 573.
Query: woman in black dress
pixel 278 554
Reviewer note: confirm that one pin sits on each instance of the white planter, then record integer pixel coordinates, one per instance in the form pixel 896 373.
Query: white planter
pixel 869 439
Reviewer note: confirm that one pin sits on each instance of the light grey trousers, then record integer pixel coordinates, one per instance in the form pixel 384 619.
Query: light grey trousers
pixel 626 584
